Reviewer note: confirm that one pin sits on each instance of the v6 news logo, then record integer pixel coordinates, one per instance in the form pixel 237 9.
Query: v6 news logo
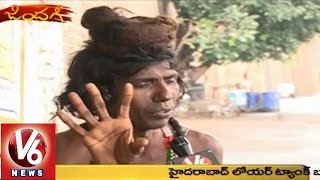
pixel 27 147
pixel 28 151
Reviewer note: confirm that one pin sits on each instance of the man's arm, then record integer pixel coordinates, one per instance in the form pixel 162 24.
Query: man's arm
pixel 70 149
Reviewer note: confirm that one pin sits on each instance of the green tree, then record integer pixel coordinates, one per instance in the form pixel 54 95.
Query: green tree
pixel 248 30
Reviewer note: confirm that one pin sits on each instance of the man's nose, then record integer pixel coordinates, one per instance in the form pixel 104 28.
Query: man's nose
pixel 162 93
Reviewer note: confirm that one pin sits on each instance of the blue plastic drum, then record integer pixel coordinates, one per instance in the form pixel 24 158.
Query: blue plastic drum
pixel 254 101
pixel 271 101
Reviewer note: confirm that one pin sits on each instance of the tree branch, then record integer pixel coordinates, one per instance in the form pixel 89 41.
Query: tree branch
pixel 185 36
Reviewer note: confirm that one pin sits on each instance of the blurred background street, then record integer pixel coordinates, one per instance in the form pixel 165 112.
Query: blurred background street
pixel 289 136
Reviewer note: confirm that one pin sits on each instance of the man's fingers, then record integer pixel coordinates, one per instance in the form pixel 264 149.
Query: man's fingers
pixel 122 152
pixel 69 122
pixel 138 145
pixel 126 100
pixel 82 109
pixel 126 150
pixel 98 101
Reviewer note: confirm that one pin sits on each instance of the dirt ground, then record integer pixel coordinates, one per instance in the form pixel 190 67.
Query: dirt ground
pixel 290 136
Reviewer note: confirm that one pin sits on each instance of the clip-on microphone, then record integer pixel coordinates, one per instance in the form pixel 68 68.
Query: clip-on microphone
pixel 182 147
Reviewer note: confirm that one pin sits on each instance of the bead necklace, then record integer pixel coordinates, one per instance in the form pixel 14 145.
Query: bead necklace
pixel 168 134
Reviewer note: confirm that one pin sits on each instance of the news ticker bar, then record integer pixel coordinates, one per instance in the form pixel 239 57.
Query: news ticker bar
pixel 197 172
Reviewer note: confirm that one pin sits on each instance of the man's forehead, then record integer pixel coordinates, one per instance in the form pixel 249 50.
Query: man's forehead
pixel 157 70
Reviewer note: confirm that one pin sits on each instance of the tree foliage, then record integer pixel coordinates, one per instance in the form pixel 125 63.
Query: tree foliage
pixel 249 30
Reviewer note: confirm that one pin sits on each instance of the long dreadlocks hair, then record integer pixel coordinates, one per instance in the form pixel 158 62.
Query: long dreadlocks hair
pixel 118 47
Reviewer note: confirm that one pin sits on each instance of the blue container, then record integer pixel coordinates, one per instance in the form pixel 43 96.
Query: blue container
pixel 271 101
pixel 238 98
pixel 254 102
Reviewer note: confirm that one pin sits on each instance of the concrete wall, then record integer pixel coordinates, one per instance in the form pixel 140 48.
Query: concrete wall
pixel 306 68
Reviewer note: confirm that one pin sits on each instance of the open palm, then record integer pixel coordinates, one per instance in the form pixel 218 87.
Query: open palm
pixel 109 140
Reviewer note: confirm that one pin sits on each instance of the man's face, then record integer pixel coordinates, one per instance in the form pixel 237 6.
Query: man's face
pixel 156 92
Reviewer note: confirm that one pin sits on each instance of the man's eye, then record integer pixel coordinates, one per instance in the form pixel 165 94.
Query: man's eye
pixel 143 84
pixel 171 81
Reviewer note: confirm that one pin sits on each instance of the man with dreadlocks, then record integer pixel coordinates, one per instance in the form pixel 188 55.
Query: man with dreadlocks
pixel 125 85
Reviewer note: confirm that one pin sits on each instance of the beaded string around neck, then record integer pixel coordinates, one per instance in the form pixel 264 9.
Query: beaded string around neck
pixel 168 134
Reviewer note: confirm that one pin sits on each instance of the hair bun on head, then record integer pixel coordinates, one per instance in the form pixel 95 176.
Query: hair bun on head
pixel 96 16
pixel 117 35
